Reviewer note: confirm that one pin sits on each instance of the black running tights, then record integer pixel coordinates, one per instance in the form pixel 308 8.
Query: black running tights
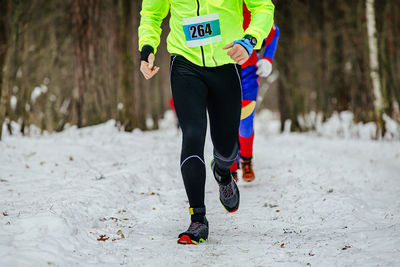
pixel 195 90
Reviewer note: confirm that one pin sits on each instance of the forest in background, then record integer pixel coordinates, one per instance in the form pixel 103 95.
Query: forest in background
pixel 76 62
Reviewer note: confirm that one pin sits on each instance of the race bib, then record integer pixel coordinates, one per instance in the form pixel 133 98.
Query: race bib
pixel 202 30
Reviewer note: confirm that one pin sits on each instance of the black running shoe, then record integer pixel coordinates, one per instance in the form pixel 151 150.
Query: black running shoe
pixel 196 234
pixel 228 192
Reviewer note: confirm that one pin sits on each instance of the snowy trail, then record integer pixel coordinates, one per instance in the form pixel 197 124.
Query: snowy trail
pixel 313 196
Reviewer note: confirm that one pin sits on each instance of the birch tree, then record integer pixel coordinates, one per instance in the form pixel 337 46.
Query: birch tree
pixel 374 62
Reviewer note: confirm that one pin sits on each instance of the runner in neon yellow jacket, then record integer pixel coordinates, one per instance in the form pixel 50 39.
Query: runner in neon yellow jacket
pixel 230 16
pixel 204 78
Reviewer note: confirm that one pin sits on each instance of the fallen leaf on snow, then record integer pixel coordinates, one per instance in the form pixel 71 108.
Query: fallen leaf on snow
pixel 110 218
pixel 120 233
pixel 103 238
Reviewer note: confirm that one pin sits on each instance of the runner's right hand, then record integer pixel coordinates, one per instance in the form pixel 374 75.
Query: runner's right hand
pixel 237 53
pixel 147 68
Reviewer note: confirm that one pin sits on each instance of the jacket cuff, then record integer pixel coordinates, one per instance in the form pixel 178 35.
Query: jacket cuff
pixel 146 51
pixel 269 59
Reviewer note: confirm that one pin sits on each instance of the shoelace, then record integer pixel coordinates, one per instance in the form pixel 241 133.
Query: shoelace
pixel 194 226
pixel 227 190
pixel 246 165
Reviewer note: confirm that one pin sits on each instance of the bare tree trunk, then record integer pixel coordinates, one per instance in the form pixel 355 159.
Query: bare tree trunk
pixel 139 83
pixel 155 101
pixel 283 105
pixel 289 96
pixel 337 73
pixel 95 108
pixel 126 67
pixel 25 86
pixel 3 52
pixel 387 16
pixel 81 27
pixel 322 99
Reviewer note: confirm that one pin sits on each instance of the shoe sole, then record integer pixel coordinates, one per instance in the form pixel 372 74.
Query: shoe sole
pixel 185 240
pixel 233 210
pixel 230 211
pixel 248 180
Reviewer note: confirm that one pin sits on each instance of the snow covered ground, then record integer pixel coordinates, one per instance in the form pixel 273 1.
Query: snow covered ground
pixel 100 197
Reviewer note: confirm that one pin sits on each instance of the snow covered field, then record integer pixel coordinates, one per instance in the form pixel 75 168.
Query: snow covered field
pixel 99 197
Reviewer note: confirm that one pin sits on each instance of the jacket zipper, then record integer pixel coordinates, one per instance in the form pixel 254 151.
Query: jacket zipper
pixel 201 47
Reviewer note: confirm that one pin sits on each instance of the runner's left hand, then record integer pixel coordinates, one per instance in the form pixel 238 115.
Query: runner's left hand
pixel 237 52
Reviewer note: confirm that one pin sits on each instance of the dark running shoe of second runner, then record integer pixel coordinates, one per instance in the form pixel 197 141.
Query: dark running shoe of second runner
pixel 228 190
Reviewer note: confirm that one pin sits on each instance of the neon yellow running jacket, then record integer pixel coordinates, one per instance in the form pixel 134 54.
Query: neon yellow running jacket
pixel 222 21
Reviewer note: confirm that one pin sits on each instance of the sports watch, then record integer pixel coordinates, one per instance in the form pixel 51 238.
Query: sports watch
pixel 253 40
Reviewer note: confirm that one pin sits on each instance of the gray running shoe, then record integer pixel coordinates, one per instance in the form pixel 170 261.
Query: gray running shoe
pixel 229 193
